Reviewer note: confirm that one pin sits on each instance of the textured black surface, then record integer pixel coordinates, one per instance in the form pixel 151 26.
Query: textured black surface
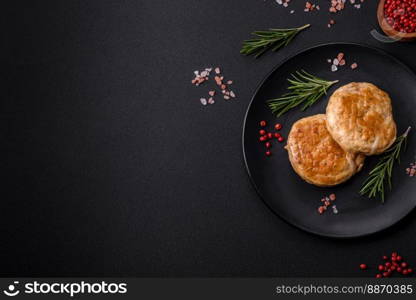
pixel 294 199
pixel 114 168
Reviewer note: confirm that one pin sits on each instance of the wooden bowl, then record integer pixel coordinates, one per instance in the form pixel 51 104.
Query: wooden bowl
pixel 390 31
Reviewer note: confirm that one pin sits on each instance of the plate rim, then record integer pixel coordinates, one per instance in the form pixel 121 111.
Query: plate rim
pixel 256 91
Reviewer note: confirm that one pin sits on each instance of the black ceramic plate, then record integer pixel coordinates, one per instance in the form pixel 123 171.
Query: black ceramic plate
pixel 297 201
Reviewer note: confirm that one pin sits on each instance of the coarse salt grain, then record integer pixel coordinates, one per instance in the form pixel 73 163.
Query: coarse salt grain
pixel 217 80
pixel 202 76
pixel 411 170
pixel 331 23
pixel 337 62
pixel 284 3
pixel 337 5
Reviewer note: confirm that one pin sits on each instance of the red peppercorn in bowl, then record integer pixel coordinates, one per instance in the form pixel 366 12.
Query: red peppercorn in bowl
pixel 397 18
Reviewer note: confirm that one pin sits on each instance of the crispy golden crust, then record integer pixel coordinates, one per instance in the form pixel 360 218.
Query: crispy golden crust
pixel 316 157
pixel 359 117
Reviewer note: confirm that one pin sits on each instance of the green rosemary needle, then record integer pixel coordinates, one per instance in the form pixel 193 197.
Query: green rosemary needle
pixel 304 89
pixel 272 38
pixel 382 172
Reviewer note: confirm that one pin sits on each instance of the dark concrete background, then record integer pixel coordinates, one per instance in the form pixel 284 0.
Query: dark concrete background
pixel 113 168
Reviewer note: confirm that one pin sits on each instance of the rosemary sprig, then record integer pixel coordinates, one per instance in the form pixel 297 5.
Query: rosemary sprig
pixel 374 184
pixel 272 38
pixel 304 89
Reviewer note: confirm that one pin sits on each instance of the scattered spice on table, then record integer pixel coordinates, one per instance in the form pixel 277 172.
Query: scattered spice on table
pixel 221 84
pixel 337 5
pixel 394 264
pixel 356 3
pixel 201 76
pixel 284 3
pixel 328 202
pixel 268 137
pixel 331 23
pixel 203 101
pixel 411 170
pixel 311 7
